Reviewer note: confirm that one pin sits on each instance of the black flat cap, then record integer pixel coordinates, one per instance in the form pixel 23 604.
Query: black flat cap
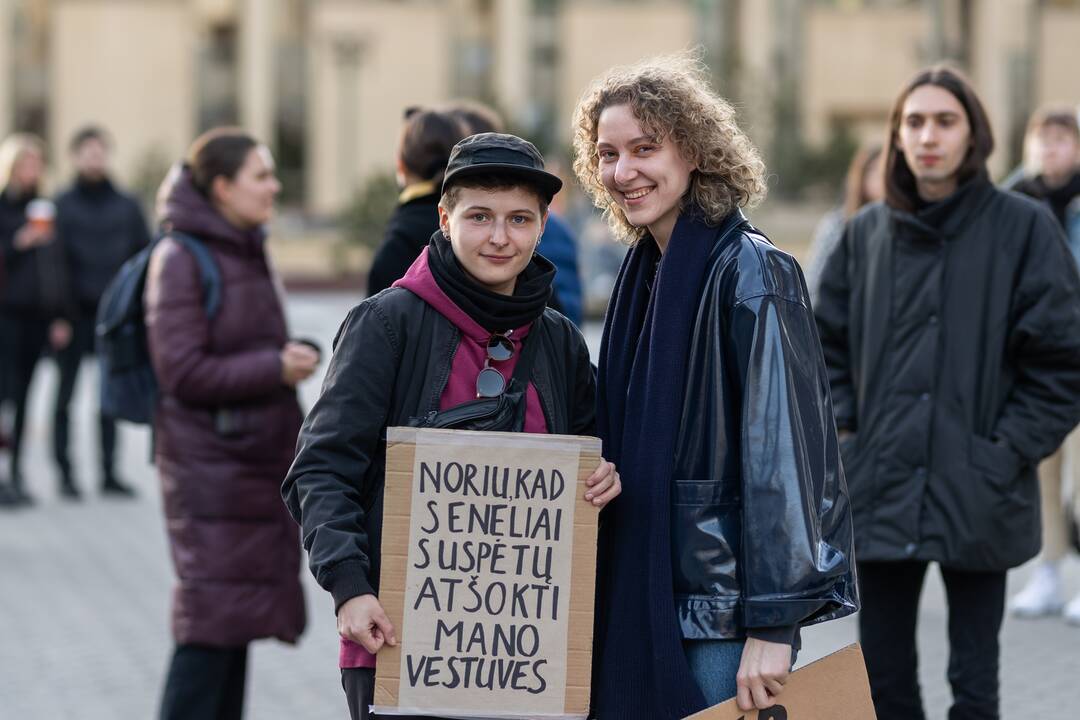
pixel 500 154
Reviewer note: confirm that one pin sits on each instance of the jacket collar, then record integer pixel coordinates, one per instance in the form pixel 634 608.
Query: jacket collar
pixel 417 190
pixel 188 211
pixel 947 218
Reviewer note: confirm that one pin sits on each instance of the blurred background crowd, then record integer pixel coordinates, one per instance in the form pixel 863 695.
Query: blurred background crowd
pixel 360 101
pixel 325 83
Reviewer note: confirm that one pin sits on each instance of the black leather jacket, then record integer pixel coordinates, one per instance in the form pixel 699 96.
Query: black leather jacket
pixel 392 359
pixel 760 512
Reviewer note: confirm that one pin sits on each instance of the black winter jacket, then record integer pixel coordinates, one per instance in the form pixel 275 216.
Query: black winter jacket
pixel 99 228
pixel 392 359
pixel 407 233
pixel 35 280
pixel 756 458
pixel 953 342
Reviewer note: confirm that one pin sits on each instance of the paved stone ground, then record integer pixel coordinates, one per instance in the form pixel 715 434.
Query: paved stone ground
pixel 84 595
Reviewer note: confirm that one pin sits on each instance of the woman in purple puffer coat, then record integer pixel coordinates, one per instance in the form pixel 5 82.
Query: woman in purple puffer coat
pixel 225 427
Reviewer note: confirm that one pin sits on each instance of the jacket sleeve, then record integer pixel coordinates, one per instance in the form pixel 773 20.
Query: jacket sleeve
pixel 1043 347
pixel 831 310
pixel 558 245
pixel 329 488
pixel 140 231
pixel 583 420
pixel 10 253
pixel 797 541
pixel 178 332
pixel 392 260
pixel 57 268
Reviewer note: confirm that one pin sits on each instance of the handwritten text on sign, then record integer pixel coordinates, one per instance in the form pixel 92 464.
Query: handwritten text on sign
pixel 487 590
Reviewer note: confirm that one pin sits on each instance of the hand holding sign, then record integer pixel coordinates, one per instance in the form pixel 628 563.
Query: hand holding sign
pixel 762 673
pixel 832 688
pixel 363 621
pixel 604 484
pixel 489 557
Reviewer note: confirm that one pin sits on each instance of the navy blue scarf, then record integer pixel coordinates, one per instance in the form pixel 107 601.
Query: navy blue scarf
pixel 640 668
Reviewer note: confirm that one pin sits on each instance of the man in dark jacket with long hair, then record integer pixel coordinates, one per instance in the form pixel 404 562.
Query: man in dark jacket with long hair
pixel 950 320
pixel 99 228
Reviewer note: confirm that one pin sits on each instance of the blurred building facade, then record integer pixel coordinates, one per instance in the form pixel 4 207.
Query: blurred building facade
pixel 326 81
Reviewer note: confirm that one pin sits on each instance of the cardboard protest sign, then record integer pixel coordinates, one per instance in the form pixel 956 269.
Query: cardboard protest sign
pixel 488 574
pixel 833 688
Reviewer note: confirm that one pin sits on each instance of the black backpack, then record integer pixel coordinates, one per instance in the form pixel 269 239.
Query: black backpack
pixel 129 388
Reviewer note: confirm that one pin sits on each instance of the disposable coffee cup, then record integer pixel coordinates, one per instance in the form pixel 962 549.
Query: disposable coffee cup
pixel 41 214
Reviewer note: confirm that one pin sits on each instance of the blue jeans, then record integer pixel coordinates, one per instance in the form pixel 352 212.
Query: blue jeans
pixel 714 664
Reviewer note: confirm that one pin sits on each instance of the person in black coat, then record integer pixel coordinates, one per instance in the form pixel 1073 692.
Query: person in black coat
pixel 950 319
pixel 33 302
pixel 734 528
pixel 416 351
pixel 427 138
pixel 99 227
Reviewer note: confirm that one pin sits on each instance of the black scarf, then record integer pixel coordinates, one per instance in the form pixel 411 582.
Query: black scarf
pixel 640 670
pixel 494 312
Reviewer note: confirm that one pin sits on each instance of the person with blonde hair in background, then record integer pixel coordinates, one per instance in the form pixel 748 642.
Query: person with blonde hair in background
pixel 1053 149
pixel 733 529
pixel 33 300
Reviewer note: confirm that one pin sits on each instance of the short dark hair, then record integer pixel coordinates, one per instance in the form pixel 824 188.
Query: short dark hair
pixel 477 117
pixel 219 152
pixel 490 183
pixel 86 134
pixel 427 137
pixel 900 187
pixel 1061 116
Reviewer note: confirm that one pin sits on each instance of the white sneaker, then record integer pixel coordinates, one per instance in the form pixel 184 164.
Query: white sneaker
pixel 1072 611
pixel 1041 596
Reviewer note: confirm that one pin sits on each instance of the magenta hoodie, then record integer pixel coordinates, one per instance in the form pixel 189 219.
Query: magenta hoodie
pixel 461 386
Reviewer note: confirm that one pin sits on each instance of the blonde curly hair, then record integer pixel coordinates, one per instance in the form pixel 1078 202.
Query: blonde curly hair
pixel 671 99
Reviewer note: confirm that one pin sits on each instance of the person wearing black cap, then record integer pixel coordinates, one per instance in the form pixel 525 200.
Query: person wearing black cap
pixel 467 324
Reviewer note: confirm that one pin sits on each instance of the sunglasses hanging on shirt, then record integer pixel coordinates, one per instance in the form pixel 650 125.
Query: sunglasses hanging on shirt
pixel 491 382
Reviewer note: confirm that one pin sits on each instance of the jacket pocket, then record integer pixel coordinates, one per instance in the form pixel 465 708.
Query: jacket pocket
pixel 996 513
pixel 861 477
pixel 998 463
pixel 705 532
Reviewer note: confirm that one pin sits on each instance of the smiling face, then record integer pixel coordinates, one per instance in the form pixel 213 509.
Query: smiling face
pixel 934 136
pixel 493 232
pixel 646 176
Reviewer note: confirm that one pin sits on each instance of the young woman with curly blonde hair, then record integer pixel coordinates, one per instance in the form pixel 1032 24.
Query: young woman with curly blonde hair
pixel 733 529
